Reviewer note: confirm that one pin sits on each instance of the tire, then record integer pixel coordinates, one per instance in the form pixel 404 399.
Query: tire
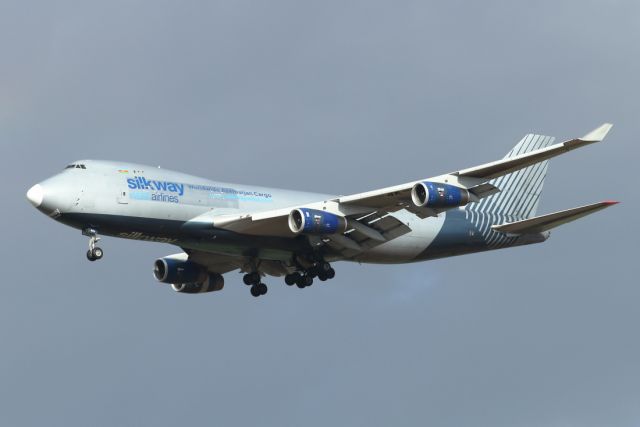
pixel 308 281
pixel 322 277
pixel 255 291
pixel 331 273
pixel 246 279
pixel 290 279
pixel 262 288
pixel 300 282
pixel 90 256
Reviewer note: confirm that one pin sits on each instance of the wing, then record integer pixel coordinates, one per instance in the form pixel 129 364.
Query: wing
pixel 224 263
pixel 366 227
pixel 475 178
pixel 217 263
pixel 368 216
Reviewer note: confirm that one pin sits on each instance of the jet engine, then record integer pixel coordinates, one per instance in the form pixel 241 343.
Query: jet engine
pixel 316 222
pixel 215 282
pixel 436 195
pixel 186 276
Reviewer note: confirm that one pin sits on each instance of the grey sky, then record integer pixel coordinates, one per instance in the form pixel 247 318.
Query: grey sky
pixel 330 97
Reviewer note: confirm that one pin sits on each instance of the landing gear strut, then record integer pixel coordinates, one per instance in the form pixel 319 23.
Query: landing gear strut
pixel 94 253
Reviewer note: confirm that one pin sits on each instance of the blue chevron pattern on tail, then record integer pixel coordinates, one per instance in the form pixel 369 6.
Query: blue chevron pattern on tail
pixel 518 198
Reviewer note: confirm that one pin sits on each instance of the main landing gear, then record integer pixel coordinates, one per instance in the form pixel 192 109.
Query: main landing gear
pixel 257 287
pixel 94 253
pixel 302 279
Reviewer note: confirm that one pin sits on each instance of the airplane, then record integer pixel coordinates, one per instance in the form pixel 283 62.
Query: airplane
pixel 258 231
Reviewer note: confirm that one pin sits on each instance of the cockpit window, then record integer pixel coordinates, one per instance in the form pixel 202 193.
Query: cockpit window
pixel 74 166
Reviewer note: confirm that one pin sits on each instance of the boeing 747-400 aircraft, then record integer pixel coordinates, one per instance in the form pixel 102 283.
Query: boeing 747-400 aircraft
pixel 262 232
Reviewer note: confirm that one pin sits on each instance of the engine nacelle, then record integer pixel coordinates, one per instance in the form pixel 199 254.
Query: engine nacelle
pixel 316 222
pixel 185 276
pixel 177 271
pixel 436 195
pixel 215 282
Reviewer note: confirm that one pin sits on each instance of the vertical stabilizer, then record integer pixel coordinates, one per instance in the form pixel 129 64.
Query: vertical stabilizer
pixel 519 191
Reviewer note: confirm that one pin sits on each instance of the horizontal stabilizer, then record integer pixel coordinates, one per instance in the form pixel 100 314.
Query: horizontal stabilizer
pixel 542 223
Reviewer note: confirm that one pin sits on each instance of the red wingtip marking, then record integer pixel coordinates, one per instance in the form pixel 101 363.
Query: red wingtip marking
pixel 610 202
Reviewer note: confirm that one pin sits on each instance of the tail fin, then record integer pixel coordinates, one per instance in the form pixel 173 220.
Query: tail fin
pixel 519 191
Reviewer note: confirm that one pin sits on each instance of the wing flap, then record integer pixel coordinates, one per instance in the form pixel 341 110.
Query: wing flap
pixel 542 223
pixel 484 190
pixel 380 228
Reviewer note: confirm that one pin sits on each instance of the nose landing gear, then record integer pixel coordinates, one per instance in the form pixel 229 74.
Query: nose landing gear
pixel 94 253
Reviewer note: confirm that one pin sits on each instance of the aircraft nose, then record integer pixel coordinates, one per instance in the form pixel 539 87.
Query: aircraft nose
pixel 35 195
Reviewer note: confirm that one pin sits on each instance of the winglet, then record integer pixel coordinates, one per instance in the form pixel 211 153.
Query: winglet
pixel 598 134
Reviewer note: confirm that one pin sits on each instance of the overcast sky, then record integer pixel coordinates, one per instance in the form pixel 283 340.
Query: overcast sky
pixel 336 97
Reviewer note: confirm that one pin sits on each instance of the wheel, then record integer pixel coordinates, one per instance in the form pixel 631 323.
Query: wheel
pixel 331 273
pixel 291 279
pixel 255 291
pixel 308 281
pixel 90 256
pixel 300 282
pixel 324 267
pixel 322 277
pixel 97 253
pixel 251 279
pixel 262 288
